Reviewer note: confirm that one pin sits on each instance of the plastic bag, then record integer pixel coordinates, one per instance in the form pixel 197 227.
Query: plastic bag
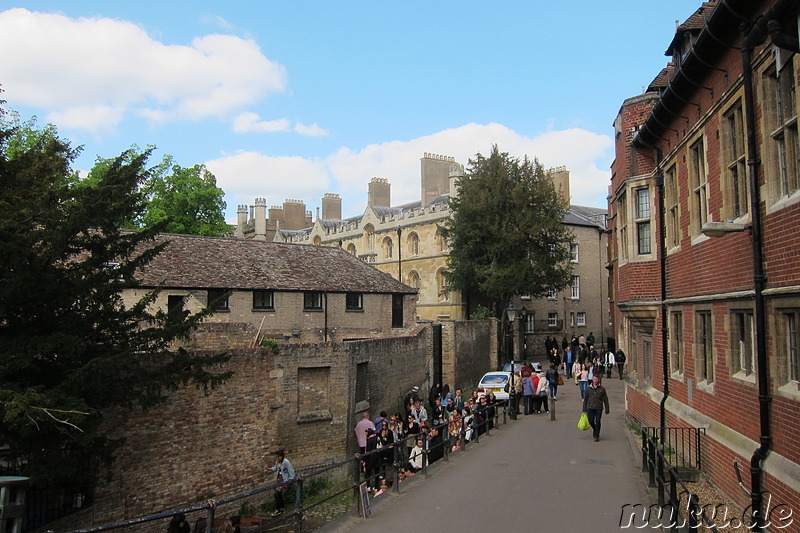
pixel 583 422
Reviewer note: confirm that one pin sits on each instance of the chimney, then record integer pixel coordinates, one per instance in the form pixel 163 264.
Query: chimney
pixel 260 219
pixel 331 207
pixel 435 171
pixel 379 193
pixel 241 221
pixel 294 212
pixel 560 179
pixel 456 173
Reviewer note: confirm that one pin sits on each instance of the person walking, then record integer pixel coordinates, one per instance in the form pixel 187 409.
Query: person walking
pixel 285 472
pixel 361 430
pixel 594 400
pixel 619 359
pixel 552 380
pixel 528 390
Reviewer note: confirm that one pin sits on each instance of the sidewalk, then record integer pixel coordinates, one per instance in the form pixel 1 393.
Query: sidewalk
pixel 532 474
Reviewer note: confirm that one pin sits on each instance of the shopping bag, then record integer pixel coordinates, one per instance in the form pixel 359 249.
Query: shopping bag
pixel 583 422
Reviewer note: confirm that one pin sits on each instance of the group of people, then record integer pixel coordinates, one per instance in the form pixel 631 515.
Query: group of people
pixel 419 435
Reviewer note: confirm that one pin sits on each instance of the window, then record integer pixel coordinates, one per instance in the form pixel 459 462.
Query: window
pixel 576 287
pixel 174 308
pixel 413 279
pixel 362 382
pixel 351 248
pixel 413 244
pixel 791 347
pixel 530 326
pixel 219 299
pixel 622 225
pixel 354 301
pixel 704 347
pixel 581 318
pixel 573 252
pixel 552 320
pixel 441 284
pixel 572 319
pixel 672 222
pixel 676 359
pixel 733 156
pixel 643 221
pixel 387 248
pixel 369 236
pixel 699 186
pixel 647 358
pixel 742 342
pixel 263 300
pixel 441 242
pixel 312 301
pixel 397 310
pixel 783 128
pixel 551 294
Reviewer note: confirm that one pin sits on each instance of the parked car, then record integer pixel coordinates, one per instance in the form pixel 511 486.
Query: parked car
pixel 497 382
pixel 517 366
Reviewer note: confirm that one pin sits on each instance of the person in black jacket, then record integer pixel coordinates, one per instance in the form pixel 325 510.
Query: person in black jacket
pixel 594 400
pixel 552 380
pixel 619 360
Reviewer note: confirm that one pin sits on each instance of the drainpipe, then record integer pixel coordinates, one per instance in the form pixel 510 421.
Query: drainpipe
pixel 399 257
pixel 662 254
pixel 764 398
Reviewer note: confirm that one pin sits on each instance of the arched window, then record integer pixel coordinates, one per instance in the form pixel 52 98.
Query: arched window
pixel 413 244
pixel 413 279
pixel 441 242
pixel 317 240
pixel 441 285
pixel 351 248
pixel 369 236
pixel 387 248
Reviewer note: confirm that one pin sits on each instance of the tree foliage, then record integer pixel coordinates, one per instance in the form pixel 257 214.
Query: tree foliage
pixel 506 235
pixel 186 200
pixel 69 346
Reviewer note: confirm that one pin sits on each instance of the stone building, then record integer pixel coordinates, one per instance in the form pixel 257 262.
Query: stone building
pixel 704 210
pixel 404 241
pixel 267 289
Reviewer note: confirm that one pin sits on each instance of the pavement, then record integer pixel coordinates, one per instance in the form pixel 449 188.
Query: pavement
pixel 532 474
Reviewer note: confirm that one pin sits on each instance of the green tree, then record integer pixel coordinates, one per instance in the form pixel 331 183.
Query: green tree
pixel 506 234
pixel 70 348
pixel 187 200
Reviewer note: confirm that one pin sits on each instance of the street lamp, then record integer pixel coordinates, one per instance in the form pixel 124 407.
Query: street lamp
pixel 511 313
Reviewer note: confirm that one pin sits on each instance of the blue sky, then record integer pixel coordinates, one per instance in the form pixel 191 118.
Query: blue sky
pixel 290 100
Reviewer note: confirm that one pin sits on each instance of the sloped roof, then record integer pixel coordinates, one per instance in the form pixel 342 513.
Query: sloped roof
pixel 579 215
pixel 191 261
pixel 693 24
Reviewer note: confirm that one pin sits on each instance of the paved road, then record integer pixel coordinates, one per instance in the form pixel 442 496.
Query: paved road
pixel 531 475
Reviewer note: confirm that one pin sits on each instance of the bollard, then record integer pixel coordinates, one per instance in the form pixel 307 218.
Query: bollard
pixel 12 503
pixel 552 404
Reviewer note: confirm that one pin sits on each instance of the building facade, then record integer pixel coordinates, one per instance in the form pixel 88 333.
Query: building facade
pixel 404 241
pixel 704 211
pixel 279 291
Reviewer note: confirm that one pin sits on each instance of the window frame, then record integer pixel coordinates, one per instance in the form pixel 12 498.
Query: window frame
pixel 214 294
pixel 573 252
pixel 312 301
pixel 704 346
pixel 781 122
pixel 742 350
pixel 258 304
pixel 354 302
pixel 698 184
pixel 575 287
pixel 677 359
pixel 734 156
pixel 672 201
pixel 552 320
pixel 580 318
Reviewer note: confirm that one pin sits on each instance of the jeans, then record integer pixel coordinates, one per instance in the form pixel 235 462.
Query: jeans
pixel 568 370
pixel 553 389
pixel 527 404
pixel 594 420
pixel 619 367
pixel 583 385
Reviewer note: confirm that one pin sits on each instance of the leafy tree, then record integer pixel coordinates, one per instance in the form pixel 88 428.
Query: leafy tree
pixel 186 199
pixel 506 235
pixel 69 346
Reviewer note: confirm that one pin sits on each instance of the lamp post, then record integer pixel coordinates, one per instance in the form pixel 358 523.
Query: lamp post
pixel 511 313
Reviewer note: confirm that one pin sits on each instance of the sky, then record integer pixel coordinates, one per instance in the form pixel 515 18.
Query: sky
pixel 291 100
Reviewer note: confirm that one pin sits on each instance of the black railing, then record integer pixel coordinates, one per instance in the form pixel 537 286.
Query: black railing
pixel 680 445
pixel 349 477
pixel 682 505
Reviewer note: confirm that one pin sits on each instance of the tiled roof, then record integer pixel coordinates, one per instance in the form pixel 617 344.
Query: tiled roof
pixel 229 263
pixel 579 215
pixel 693 24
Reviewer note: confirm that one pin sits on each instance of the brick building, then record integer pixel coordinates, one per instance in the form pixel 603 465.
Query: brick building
pixel 289 293
pixel 704 211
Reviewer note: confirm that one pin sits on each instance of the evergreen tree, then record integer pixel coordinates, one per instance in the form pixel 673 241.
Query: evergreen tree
pixel 506 234
pixel 69 346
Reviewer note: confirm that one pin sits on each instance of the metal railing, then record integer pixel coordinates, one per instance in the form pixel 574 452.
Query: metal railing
pixel 673 493
pixel 350 473
pixel 680 445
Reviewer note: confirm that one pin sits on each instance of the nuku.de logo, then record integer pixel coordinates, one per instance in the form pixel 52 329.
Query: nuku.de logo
pixel 639 516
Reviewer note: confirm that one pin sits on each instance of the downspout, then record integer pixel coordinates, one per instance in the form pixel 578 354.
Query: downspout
pixel 325 331
pixel 662 253
pixel 764 398
pixel 399 257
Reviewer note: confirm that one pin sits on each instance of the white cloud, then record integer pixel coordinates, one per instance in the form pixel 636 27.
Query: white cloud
pixel 94 119
pixel 311 131
pixel 251 122
pixel 72 65
pixel 249 175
